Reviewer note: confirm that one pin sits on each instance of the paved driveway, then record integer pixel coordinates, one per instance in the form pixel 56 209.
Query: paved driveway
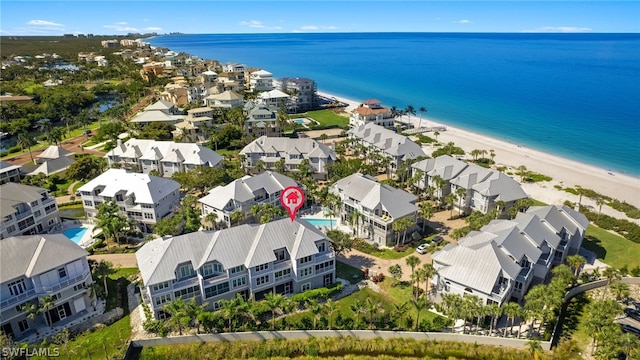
pixel 361 260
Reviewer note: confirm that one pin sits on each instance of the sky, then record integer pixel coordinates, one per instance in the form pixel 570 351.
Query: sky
pixel 119 17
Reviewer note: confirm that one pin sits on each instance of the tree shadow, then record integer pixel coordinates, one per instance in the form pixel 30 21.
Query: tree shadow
pixel 594 244
pixel 570 317
pixel 357 261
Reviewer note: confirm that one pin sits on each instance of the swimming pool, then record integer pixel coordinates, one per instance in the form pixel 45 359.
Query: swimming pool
pixel 75 234
pixel 299 121
pixel 320 222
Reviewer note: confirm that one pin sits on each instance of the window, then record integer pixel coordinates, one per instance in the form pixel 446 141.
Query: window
pixel 147 206
pixel 326 265
pixel 38 213
pixel 164 298
pixel 62 273
pixel 518 285
pixel 148 216
pixel 17 287
pixel 11 229
pixel 79 287
pixel 160 286
pixel 279 275
pixel 34 203
pixel 23 325
pixel 306 259
pixel 185 271
pixel 262 280
pixel 306 286
pixel 217 305
pixel 306 272
pixel 321 247
pixel 187 292
pixel 210 269
pixel 262 267
pixel 216 290
pixel 239 282
pixel 237 269
pixel 280 254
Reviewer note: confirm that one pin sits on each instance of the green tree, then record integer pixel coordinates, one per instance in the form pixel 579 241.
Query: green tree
pixel 274 302
pixel 26 141
pixel 357 308
pixel 113 224
pixel 341 243
pixel 46 304
pixel 179 317
pixel 429 271
pixel 450 200
pixel 522 172
pixel 102 270
pixel 330 308
pixel 419 303
pixel 426 213
pixel 372 307
pixel 611 274
pixel 156 131
pixel 396 272
pixel 316 310
pixel 86 168
pixel 620 290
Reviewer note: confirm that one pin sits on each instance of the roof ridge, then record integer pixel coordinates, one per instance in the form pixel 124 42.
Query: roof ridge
pixel 35 256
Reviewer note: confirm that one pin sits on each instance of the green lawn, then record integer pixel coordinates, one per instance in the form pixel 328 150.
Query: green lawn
pixel 612 249
pixel 327 117
pixel 225 152
pixel 538 203
pixel 348 272
pixel 401 293
pixel 390 254
pixel 108 342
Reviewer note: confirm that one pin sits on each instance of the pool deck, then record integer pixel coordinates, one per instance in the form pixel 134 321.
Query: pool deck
pixel 321 215
pixel 87 237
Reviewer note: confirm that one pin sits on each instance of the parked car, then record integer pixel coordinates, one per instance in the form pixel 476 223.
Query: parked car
pixel 421 249
pixel 630 329
pixel 437 240
pixel 636 304
pixel 632 313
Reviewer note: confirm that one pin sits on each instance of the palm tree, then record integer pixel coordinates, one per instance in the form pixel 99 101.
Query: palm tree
pixel 475 153
pixel 599 201
pixel 399 310
pixel 575 262
pixel 534 348
pixel 102 270
pixel 31 309
pixel 499 207
pixel 492 154
pixel 46 303
pixel 412 261
pixel 354 220
pixel 92 291
pixel 420 275
pixel 429 271
pixel 178 311
pixel 275 303
pixel 522 172
pixel 211 218
pixel 26 141
pixel 357 307
pixel 460 194
pixel 439 184
pixel 316 310
pixel 231 308
pixel 410 110
pixel 450 200
pixel 259 166
pixel 620 290
pixel 435 134
pixel 511 309
pixel 419 303
pixel 330 307
pixel 426 212
pixel 236 217
pixel 495 311
pixel 422 111
pixel 611 274
pixel 372 308
pixel 453 307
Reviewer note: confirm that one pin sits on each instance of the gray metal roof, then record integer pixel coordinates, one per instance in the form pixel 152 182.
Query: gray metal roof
pixel 561 216
pixel 462 265
pixel 537 230
pixel 371 194
pixel 307 146
pixel 502 186
pixel 248 245
pixel 189 153
pixel 147 189
pixel 389 141
pixel 445 166
pixel 12 194
pixel 54 152
pixel 246 188
pixel 53 166
pixel 36 254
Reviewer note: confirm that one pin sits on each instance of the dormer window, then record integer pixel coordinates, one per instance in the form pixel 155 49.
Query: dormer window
pixel 185 271
pixel 321 247
pixel 211 269
pixel 280 254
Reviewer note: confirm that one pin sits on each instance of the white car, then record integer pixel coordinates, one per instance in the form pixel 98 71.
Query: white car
pixel 421 249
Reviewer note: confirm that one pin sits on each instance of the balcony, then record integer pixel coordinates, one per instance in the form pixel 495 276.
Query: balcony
pixel 194 280
pixel 18 298
pixel 22 215
pixel 214 279
pixel 63 284
pixel 544 259
pixel 47 201
pixel 286 264
pixel 524 275
pixel 322 257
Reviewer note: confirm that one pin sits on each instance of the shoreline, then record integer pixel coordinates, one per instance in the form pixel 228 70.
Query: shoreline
pixel 565 172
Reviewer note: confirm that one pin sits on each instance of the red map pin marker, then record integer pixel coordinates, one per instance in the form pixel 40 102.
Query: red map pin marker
pixel 292 199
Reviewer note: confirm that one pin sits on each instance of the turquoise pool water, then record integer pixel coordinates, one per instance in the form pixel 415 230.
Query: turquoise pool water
pixel 321 222
pixel 75 234
pixel 299 121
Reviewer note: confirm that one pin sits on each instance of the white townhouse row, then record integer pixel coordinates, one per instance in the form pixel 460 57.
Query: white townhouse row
pixel 141 197
pixel 377 139
pixel 292 152
pixel 283 257
pixel 26 210
pixel 242 194
pixel 482 187
pixel 36 266
pixel 379 206
pixel 163 157
pixel 505 258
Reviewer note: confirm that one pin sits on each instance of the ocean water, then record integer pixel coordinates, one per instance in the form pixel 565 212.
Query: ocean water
pixel 574 95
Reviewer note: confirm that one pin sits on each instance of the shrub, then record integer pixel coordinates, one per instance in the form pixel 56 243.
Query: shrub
pixel 378 278
pixel 320 293
pixel 364 246
pixel 401 248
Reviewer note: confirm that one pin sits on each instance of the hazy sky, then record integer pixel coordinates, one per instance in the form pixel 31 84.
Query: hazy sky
pixel 120 17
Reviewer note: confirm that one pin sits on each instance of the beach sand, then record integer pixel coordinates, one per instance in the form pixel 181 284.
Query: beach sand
pixel 565 172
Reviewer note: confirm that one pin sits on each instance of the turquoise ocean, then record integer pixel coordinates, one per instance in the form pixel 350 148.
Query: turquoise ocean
pixel 572 95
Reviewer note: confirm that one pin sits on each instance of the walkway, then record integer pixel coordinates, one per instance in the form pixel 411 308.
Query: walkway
pixel 361 260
